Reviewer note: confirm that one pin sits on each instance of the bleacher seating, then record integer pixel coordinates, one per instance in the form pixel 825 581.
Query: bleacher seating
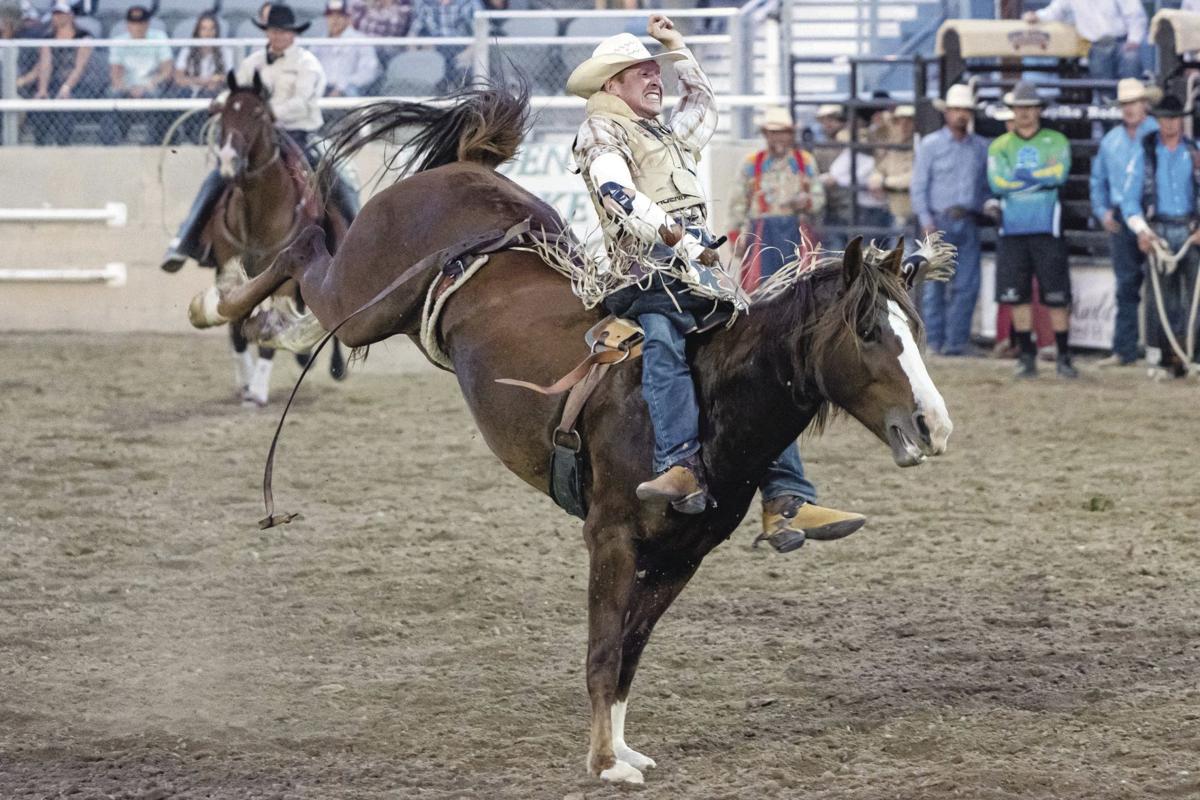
pixel 414 73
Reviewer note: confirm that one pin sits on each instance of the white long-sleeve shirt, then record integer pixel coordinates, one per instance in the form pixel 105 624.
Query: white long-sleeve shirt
pixel 1096 19
pixel 348 68
pixel 296 80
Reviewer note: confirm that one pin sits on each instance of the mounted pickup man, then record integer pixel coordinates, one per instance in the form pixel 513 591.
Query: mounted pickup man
pixel 640 174
pixel 296 82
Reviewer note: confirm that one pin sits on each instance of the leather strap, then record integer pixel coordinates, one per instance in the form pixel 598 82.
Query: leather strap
pixel 575 402
pixel 581 371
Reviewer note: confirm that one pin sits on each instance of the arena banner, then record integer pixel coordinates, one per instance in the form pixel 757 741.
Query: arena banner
pixel 1093 310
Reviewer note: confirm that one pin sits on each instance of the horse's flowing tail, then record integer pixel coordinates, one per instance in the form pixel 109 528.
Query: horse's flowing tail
pixel 484 124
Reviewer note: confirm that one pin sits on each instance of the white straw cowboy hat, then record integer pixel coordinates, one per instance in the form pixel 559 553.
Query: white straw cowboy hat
pixel 904 112
pixel 831 110
pixel 610 57
pixel 1131 90
pixel 957 96
pixel 776 118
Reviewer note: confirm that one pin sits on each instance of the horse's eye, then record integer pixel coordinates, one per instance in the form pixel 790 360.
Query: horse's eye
pixel 871 334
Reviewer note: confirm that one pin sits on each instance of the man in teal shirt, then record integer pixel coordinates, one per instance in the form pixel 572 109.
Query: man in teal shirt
pixel 1026 167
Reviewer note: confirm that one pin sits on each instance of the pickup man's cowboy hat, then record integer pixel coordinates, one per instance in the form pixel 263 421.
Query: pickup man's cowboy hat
pixel 610 57
pixel 282 17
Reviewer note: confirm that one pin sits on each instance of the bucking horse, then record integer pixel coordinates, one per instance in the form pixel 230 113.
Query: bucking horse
pixel 843 335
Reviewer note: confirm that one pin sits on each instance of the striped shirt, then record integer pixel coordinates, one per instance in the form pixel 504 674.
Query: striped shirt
pixel 444 17
pixel 380 17
pixel 693 120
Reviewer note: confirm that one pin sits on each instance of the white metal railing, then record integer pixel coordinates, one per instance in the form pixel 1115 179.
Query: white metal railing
pixel 734 47
pixel 115 215
pixel 113 274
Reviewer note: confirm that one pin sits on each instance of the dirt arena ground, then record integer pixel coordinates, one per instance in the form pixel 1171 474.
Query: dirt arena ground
pixel 1019 619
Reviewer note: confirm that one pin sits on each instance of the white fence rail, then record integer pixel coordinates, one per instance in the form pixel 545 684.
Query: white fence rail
pixel 112 274
pixel 115 215
pixel 501 42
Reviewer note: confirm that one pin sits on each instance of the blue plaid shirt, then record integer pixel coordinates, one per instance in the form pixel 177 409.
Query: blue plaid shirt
pixel 444 17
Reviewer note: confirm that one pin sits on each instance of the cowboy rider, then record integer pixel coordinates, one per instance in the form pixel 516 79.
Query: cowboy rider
pixel 296 81
pixel 640 175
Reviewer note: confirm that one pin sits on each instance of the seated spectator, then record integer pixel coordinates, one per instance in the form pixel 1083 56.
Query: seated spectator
pixel 138 72
pixel 380 17
pixel 445 18
pixel 66 72
pixel 200 71
pixel 20 21
pixel 350 70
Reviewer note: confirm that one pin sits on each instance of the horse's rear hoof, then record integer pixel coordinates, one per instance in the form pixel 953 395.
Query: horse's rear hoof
pixel 621 772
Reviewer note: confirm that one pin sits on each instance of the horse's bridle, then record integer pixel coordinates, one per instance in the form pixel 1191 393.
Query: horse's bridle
pixel 246 175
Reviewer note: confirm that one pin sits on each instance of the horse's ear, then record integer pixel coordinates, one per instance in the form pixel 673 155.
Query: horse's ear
pixel 259 88
pixel 852 261
pixel 892 261
pixel 231 81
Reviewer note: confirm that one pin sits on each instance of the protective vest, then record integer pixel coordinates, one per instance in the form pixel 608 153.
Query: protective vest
pixel 1150 178
pixel 663 168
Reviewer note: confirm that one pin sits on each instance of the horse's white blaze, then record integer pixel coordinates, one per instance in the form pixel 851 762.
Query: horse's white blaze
pixel 928 399
pixel 226 156
pixel 621 750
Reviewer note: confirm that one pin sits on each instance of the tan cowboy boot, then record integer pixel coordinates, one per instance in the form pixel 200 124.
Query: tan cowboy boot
pixel 682 486
pixel 789 520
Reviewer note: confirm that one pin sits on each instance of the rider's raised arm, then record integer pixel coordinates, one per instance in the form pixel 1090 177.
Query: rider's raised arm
pixel 694 117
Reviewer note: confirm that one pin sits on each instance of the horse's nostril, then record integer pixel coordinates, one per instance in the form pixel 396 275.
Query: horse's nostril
pixel 923 428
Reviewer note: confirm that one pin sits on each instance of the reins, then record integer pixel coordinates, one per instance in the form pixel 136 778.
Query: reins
pixel 1165 262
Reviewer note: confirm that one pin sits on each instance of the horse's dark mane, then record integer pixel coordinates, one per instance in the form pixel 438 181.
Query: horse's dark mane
pixel 484 123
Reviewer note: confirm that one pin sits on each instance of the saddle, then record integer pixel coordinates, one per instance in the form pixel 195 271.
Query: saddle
pixel 611 341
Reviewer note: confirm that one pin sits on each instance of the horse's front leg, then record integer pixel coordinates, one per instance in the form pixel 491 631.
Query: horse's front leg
pixel 610 583
pixel 654 590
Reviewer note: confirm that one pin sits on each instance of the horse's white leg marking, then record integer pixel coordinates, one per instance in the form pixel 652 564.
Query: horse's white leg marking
pixel 928 398
pixel 243 370
pixel 621 750
pixel 260 383
pixel 621 772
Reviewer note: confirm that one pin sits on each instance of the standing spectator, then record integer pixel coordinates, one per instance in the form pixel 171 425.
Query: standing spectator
pixel 349 69
pixel 1115 29
pixel 1109 169
pixel 831 120
pixel 1159 204
pixel 777 196
pixel 1026 168
pixel 443 18
pixel 872 204
pixel 893 168
pixel 65 72
pixel 138 72
pixel 949 189
pixel 200 71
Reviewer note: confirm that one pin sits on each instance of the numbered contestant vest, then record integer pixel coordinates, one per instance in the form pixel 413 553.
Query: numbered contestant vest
pixel 662 167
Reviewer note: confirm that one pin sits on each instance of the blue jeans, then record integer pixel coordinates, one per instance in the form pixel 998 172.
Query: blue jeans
pixel 1107 59
pixel 671 397
pixel 1127 265
pixel 1177 289
pixel 948 306
pixel 668 390
pixel 785 476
